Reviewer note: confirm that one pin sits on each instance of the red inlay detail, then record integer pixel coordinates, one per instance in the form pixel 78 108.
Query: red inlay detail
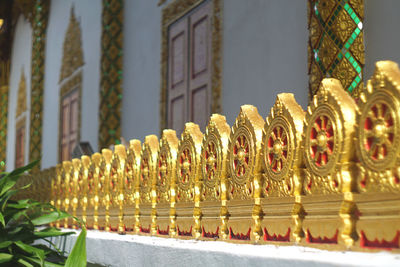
pixel 239 236
pixel 129 229
pixel 322 240
pixel 368 124
pixel 363 182
pixel 144 230
pixel 313 133
pixel 209 234
pixel 396 179
pixel 383 244
pixel 184 233
pixel 309 185
pixel 162 232
pixel 274 237
pixel 267 187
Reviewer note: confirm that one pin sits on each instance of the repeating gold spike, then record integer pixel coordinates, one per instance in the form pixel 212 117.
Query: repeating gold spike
pixel 166 183
pixel 106 176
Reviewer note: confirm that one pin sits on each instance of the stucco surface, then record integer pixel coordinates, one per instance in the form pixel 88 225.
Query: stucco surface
pixel 111 249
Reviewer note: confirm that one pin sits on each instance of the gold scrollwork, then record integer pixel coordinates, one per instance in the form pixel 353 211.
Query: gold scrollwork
pixel 106 173
pixel 378 130
pixel 244 153
pixel 281 149
pixel 166 167
pixel 84 188
pixel 188 162
pixel 214 154
pixel 76 165
pixel 120 162
pixel 148 167
pixel 96 188
pixel 147 181
pixel 328 139
pixel 66 187
pixel 166 171
pixel 132 170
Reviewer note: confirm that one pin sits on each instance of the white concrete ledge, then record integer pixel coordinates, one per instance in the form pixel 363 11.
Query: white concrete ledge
pixel 111 249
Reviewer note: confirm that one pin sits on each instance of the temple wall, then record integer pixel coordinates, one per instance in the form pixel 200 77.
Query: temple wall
pixel 21 59
pixel 264 53
pixel 382 41
pixel 88 13
pixel 141 78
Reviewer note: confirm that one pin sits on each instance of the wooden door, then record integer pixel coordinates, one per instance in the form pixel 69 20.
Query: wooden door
pixel 200 65
pixel 69 124
pixel 177 78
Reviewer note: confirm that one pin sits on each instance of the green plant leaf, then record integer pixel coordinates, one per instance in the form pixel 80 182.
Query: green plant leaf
pixel 4 199
pixel 47 263
pixel 23 169
pixel 77 257
pixel 2 220
pixel 39 253
pixel 24 262
pixel 51 231
pixel 50 217
pixel 5 244
pixel 5 257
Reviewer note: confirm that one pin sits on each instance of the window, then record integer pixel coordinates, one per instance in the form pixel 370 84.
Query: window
pixel 69 124
pixel 189 68
pixel 70 89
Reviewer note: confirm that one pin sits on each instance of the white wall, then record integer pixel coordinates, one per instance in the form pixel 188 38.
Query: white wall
pixel 88 13
pixel 265 53
pixel 20 59
pixel 141 76
pixel 382 36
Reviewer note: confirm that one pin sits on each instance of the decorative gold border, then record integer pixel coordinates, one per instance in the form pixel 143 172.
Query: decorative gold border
pixel 72 83
pixel 172 13
pixel 111 73
pixel 39 27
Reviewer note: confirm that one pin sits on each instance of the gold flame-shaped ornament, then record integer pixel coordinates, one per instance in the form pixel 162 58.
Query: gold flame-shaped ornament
pixel 244 159
pixel 214 172
pixel 146 187
pixel 166 183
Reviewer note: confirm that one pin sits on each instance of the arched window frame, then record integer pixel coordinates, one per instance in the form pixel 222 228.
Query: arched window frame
pixel 70 89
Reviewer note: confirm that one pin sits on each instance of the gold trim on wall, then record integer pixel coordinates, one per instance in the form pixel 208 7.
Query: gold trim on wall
pixel 4 89
pixel 172 13
pixel 111 73
pixel 41 14
pixel 72 48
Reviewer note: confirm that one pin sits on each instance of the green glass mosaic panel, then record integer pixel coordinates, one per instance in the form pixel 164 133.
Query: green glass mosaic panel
pixel 339 26
pixel 111 73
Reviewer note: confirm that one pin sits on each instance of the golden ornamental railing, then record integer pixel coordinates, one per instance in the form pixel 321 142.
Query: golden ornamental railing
pixel 327 177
